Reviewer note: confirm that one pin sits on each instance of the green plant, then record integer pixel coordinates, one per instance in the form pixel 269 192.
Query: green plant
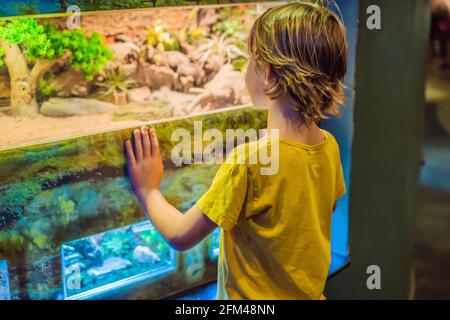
pixel 116 80
pixel 107 4
pixel 221 47
pixel 160 38
pixel 192 35
pixel 2 56
pixel 117 243
pixel 164 3
pixel 66 209
pixel 26 43
pixel 45 88
pixel 12 200
pixel 233 28
pixel 240 63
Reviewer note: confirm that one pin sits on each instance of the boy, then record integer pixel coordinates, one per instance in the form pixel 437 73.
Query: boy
pixel 275 239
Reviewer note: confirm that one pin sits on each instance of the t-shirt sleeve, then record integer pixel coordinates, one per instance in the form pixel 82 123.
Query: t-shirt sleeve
pixel 223 202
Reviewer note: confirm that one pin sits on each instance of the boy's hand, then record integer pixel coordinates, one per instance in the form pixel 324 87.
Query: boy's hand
pixel 145 166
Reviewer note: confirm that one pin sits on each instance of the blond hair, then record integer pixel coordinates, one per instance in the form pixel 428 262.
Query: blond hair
pixel 304 44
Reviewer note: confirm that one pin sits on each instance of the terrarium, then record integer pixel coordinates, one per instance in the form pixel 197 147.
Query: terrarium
pixel 113 259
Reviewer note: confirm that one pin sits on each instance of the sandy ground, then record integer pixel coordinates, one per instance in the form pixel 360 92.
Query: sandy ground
pixel 14 131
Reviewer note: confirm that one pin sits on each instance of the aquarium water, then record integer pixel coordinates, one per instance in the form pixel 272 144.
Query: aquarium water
pixel 4 281
pixel 113 259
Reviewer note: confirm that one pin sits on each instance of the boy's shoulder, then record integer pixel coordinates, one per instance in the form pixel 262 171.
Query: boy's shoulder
pixel 332 139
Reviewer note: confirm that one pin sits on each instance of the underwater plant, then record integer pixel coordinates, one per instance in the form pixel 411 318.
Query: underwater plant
pixel 117 243
pixel 30 50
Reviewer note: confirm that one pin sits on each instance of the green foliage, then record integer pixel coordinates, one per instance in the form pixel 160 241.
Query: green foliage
pixel 160 38
pixel 91 5
pixel 116 80
pixel 233 28
pixel 12 200
pixel 88 53
pixel 165 3
pixel 30 36
pixel 11 242
pixel 240 63
pixel 117 243
pixel 66 209
pixel 40 239
pixel 222 48
pixel 45 89
pixel 2 56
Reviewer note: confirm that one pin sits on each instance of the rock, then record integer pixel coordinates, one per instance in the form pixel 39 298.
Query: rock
pixel 227 88
pixel 70 83
pixel 188 48
pixel 145 255
pixel 124 38
pixel 173 98
pixel 109 266
pixel 211 68
pixel 125 52
pixel 189 74
pixel 140 95
pixel 151 51
pixel 156 77
pixel 190 69
pixel 207 18
pixel 228 79
pixel 212 100
pixel 58 107
pixel 175 59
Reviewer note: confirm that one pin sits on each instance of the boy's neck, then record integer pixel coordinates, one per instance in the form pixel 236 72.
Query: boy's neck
pixel 290 124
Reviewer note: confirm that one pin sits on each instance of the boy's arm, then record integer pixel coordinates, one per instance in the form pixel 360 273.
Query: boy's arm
pixel 145 168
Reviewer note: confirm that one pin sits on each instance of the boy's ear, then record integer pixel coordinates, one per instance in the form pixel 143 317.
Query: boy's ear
pixel 269 76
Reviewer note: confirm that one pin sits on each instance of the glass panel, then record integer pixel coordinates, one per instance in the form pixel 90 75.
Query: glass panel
pixel 119 69
pixel 4 281
pixel 115 258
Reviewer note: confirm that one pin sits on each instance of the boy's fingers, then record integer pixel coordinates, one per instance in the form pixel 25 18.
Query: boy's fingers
pixel 130 153
pixel 138 145
pixel 146 142
pixel 154 143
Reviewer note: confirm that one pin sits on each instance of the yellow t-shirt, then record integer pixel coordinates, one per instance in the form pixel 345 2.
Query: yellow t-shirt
pixel 275 237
